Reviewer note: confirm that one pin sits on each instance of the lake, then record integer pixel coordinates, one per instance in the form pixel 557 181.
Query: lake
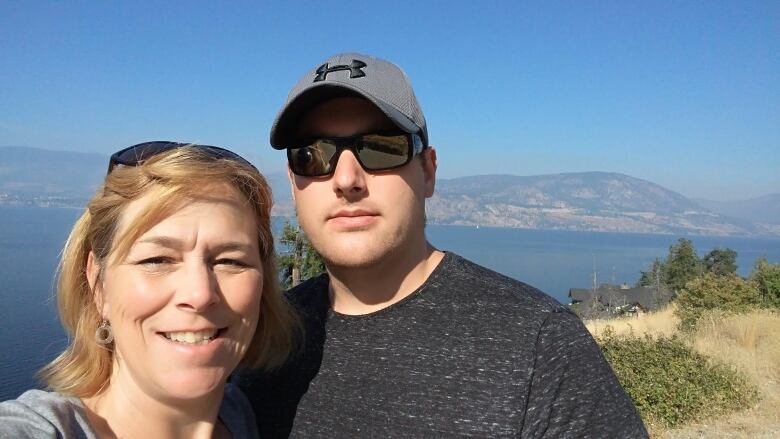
pixel 554 261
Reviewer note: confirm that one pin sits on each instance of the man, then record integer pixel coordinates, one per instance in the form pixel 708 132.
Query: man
pixel 401 339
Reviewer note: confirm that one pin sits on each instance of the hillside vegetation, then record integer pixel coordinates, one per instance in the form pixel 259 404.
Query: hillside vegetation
pixel 744 404
pixel 708 365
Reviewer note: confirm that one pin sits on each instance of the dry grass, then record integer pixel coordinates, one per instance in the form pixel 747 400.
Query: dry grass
pixel 751 343
pixel 662 322
pixel 748 342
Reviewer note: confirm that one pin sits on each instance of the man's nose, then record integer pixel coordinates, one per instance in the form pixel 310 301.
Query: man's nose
pixel 349 178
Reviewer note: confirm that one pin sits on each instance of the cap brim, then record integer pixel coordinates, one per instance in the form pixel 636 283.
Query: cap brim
pixel 283 126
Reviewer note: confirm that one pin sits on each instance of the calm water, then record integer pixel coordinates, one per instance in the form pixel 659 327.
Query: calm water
pixel 31 238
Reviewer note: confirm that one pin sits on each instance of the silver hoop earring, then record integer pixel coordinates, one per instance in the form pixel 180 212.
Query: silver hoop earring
pixel 104 335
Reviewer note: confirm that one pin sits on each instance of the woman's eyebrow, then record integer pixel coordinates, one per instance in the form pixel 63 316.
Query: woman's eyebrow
pixel 235 246
pixel 177 244
pixel 162 241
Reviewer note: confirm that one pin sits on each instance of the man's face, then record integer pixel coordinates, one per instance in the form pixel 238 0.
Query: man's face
pixel 356 218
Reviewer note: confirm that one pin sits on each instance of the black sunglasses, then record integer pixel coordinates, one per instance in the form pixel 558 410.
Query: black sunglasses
pixel 136 154
pixel 374 152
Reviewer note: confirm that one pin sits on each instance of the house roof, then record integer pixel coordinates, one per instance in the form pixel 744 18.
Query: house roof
pixel 614 295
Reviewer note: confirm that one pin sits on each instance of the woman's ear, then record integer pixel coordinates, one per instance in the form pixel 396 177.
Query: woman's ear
pixel 95 284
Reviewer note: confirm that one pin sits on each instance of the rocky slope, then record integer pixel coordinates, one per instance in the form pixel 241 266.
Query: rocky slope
pixel 592 201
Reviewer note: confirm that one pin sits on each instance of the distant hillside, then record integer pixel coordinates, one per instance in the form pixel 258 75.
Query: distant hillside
pixel 27 173
pixel 65 178
pixel 592 201
pixel 44 171
pixel 589 201
pixel 764 209
pixel 280 185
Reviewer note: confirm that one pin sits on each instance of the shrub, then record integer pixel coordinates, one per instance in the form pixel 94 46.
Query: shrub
pixel 670 383
pixel 766 278
pixel 729 293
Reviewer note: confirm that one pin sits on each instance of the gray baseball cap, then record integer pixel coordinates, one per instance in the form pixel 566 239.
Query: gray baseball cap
pixel 352 74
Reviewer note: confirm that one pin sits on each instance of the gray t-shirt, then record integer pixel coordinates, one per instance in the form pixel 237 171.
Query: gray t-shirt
pixel 469 353
pixel 38 414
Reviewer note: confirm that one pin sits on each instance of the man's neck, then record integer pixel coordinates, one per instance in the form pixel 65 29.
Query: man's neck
pixel 358 291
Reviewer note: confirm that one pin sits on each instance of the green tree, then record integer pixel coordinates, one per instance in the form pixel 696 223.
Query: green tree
pixel 682 265
pixel 652 277
pixel 766 278
pixel 729 293
pixel 721 261
pixel 301 261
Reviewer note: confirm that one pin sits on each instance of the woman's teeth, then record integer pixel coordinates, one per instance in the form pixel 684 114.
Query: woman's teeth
pixel 199 337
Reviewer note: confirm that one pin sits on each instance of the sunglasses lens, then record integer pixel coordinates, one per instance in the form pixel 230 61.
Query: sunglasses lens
pixel 377 152
pixel 312 160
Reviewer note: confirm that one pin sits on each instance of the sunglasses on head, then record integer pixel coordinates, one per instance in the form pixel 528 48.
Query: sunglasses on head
pixel 137 154
pixel 374 152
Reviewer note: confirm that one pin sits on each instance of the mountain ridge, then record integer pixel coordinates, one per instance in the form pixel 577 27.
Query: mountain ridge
pixel 587 201
pixel 578 201
pixel 764 209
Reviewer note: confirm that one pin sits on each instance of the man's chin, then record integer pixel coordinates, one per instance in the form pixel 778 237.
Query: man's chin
pixel 353 260
pixel 358 255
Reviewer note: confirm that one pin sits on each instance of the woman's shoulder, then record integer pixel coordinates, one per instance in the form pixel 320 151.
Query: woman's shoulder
pixel 236 413
pixel 38 414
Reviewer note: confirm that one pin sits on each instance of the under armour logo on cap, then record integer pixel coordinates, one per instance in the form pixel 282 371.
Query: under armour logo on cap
pixel 381 82
pixel 354 70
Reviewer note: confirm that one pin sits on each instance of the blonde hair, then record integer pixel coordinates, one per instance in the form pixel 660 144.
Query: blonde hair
pixel 174 177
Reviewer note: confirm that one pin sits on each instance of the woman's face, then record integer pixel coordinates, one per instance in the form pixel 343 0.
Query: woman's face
pixel 185 302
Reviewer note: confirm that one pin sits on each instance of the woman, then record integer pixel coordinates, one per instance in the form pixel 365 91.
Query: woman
pixel 167 283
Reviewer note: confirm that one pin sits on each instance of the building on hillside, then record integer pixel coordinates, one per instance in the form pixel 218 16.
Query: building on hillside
pixel 613 300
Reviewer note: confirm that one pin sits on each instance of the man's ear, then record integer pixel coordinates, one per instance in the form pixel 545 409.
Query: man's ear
pixel 429 169
pixel 95 284
pixel 291 177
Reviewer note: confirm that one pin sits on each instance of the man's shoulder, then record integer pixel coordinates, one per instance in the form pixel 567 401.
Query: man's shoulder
pixel 310 291
pixel 466 280
pixel 456 280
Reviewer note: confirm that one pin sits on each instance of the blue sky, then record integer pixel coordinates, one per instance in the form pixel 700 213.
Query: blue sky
pixel 682 93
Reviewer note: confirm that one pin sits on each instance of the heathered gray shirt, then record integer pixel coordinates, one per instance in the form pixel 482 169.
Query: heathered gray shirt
pixel 470 353
pixel 38 414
